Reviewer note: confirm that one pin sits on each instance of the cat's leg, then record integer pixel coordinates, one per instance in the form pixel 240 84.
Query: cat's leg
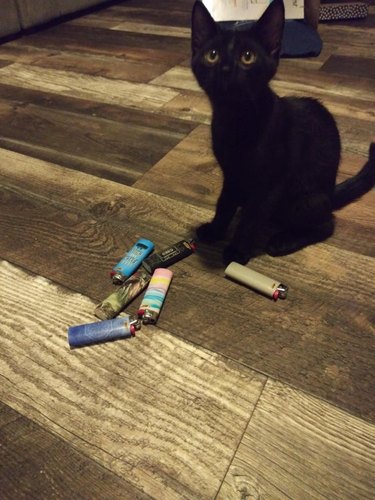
pixel 246 244
pixel 308 221
pixel 252 232
pixel 225 209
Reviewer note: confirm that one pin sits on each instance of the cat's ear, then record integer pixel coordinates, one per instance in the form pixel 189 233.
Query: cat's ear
pixel 269 29
pixel 203 27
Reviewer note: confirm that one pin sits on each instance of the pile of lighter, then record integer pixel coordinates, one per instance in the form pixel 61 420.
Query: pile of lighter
pixel 132 283
pixel 137 282
pixel 103 331
pixel 268 286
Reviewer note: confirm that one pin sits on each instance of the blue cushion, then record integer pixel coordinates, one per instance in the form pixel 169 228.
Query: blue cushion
pixel 299 39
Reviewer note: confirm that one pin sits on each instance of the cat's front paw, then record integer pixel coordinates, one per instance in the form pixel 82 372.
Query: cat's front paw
pixel 233 254
pixel 209 233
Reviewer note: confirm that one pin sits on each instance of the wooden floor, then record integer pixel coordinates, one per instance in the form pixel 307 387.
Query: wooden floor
pixel 104 138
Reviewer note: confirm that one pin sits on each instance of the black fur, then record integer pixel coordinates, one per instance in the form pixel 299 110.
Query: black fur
pixel 279 156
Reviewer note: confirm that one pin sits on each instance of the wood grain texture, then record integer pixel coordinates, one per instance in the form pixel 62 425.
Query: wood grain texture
pixel 178 77
pixel 154 29
pixel 299 447
pixel 106 145
pixel 189 105
pixel 21 97
pixel 307 340
pixel 168 13
pixel 112 42
pixel 118 55
pixel 343 65
pixel 154 410
pixel 34 463
pixel 4 62
pixel 177 177
pixel 27 55
pixel 143 15
pixel 97 89
pixel 104 138
pixel 361 36
pixel 106 66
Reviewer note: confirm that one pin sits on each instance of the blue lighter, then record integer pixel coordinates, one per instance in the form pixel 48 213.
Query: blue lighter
pixel 102 331
pixel 131 261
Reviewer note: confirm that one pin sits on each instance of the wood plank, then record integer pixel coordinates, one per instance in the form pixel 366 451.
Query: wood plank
pixel 153 29
pixel 350 164
pixel 171 5
pixel 344 65
pixel 361 36
pixel 299 447
pixel 356 220
pixel 189 172
pixel 356 135
pixel 321 339
pixel 107 236
pixel 348 95
pixel 97 89
pixel 112 42
pixel 95 144
pixel 36 463
pixel 158 27
pixel 155 410
pixel 143 14
pixel 32 177
pixel 103 65
pixel 106 64
pixel 26 55
pixel 178 77
pixel 190 105
pixel 331 90
pixel 349 50
pixel 4 62
pixel 313 82
pixel 20 97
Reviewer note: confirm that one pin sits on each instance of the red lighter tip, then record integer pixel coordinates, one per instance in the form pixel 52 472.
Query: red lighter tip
pixel 275 295
pixel 140 312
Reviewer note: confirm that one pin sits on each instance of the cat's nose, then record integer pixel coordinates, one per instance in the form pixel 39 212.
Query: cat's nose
pixel 226 68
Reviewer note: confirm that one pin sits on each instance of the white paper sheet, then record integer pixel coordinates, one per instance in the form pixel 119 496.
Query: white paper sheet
pixel 246 10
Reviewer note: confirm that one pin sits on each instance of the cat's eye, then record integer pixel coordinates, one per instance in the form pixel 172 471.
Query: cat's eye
pixel 248 57
pixel 212 56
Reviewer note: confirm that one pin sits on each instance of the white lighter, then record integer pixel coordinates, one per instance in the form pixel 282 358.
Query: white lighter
pixel 268 286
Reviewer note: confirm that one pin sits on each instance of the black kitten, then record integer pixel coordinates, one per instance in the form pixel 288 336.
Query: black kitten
pixel 279 156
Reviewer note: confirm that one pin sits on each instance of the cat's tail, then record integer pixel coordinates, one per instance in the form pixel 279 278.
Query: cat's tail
pixel 356 186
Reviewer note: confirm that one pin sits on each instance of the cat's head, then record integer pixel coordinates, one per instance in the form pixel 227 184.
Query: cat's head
pixel 236 64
